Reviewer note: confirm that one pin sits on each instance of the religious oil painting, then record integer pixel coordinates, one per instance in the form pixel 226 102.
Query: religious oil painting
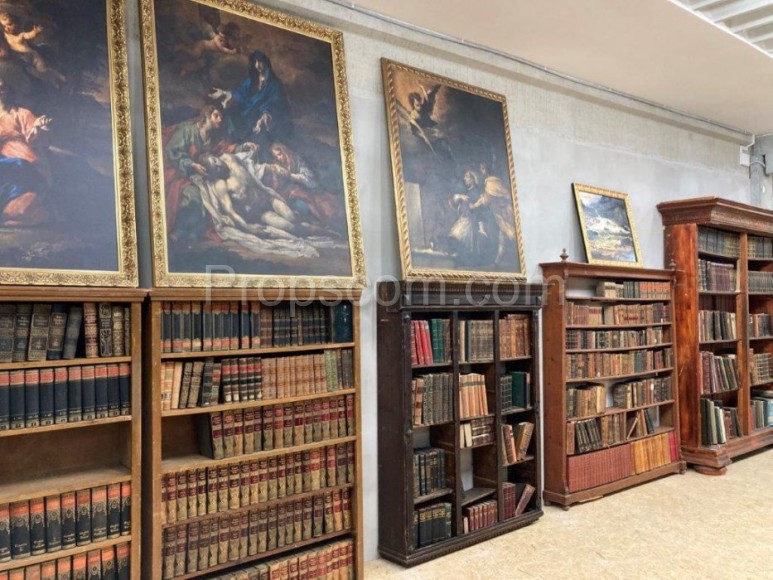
pixel 66 191
pixel 454 180
pixel 250 154
pixel 607 228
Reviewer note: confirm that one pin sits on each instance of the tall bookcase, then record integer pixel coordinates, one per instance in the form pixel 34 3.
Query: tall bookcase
pixel 319 334
pixel 73 431
pixel 440 489
pixel 611 415
pixel 712 242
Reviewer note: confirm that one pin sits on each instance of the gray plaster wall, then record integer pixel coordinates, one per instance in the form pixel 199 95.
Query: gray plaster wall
pixel 562 132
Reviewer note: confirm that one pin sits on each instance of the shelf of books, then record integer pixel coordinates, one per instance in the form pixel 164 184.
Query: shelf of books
pixel 252 434
pixel 459 419
pixel 611 418
pixel 723 253
pixel 70 432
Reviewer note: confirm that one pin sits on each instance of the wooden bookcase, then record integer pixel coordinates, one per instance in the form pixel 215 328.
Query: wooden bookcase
pixel 472 474
pixel 171 445
pixel 48 460
pixel 684 221
pixel 610 464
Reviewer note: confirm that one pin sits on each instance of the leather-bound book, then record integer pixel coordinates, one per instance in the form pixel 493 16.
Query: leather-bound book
pixel 37 526
pixel 5 532
pixel 7 324
pixel 122 561
pixel 90 330
pixel 100 391
pixel 83 517
pixel 126 508
pixel 105 325
pixel 117 328
pixel 98 513
pixel 20 529
pixel 88 393
pixel 31 398
pixel 72 331
pixel 21 332
pixel 5 400
pixel 113 390
pixel 124 388
pixel 46 394
pixel 53 523
pixel 68 520
pixel 57 324
pixel 38 344
pixel 75 394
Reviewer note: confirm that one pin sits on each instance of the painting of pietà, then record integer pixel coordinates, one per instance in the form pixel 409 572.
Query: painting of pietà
pixel 66 192
pixel 250 146
pixel 454 178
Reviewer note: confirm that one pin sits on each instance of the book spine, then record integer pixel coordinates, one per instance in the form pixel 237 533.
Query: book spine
pixel 126 508
pixel 124 388
pixel 100 391
pixel 21 332
pixel 88 393
pixel 46 403
pixel 38 344
pixel 56 328
pixel 117 330
pixel 90 330
pixel 16 399
pixel 5 400
pixel 114 389
pixel 98 513
pixel 72 332
pixel 53 523
pixel 32 398
pixel 74 394
pixel 5 532
pixel 105 321
pixel 20 529
pixel 7 324
pixel 83 517
pixel 37 526
pixel 68 520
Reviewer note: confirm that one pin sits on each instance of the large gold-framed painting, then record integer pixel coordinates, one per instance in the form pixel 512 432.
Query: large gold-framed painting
pixel 66 188
pixel 454 180
pixel 250 155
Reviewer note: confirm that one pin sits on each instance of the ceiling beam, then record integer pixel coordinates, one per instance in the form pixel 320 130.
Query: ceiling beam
pixel 701 4
pixel 737 9
pixel 761 37
pixel 756 23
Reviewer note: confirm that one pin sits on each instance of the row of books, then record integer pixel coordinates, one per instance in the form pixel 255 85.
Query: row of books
pixel 612 315
pixel 760 247
pixel 516 498
pixel 334 560
pixel 515 390
pixel 717 276
pixel 433 399
pixel 63 521
pixel 718 373
pixel 515 441
pixel 206 543
pixel 479 515
pixel 589 470
pixel 718 423
pixel 234 325
pixel 761 367
pixel 204 491
pixel 44 331
pixel 432 524
pixel 591 434
pixel 472 396
pixel 476 341
pixel 762 408
pixel 110 563
pixel 760 325
pixel 40 397
pixel 586 400
pixel 716 325
pixel 202 383
pixel 634 289
pixel 761 282
pixel 514 336
pixel 245 431
pixel 431 341
pixel 719 242
pixel 591 339
pixel 429 471
pixel 476 432
pixel 606 364
pixel 642 392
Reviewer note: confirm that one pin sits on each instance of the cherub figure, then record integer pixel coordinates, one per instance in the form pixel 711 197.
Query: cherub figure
pixel 225 40
pixel 19 42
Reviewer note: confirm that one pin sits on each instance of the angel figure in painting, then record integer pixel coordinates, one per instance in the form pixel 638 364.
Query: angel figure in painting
pixel 226 40
pixel 420 117
pixel 19 42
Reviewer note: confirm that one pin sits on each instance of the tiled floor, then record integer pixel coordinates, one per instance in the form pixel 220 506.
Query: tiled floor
pixel 681 526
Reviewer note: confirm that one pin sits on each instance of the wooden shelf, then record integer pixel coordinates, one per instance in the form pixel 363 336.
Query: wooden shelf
pixel 725 341
pixel 261 505
pixel 611 299
pixel 620 349
pixel 66 426
pixel 770 337
pixel 478 465
pixel 720 255
pixel 525 459
pixel 720 393
pixel 46 364
pixel 718 293
pixel 195 461
pixel 49 556
pixel 616 326
pixel 273 350
pixel 253 404
pixel 619 410
pixel 657 431
pixel 618 377
pixel 73 480
pixel 431 366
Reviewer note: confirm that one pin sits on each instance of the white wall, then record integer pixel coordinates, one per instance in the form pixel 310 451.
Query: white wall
pixel 561 132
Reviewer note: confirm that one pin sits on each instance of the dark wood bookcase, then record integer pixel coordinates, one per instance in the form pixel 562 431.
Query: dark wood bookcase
pixel 172 443
pixel 687 223
pixel 52 459
pixel 577 470
pixel 472 474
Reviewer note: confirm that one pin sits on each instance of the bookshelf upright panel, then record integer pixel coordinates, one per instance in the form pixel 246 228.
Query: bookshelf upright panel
pixel 611 415
pixel 723 252
pixel 70 432
pixel 459 416
pixel 252 432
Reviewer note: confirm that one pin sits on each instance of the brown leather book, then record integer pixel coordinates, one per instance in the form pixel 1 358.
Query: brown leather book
pixel 105 325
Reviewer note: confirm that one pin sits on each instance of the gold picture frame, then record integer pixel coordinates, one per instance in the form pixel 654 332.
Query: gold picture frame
pixel 67 189
pixel 454 178
pixel 607 226
pixel 297 221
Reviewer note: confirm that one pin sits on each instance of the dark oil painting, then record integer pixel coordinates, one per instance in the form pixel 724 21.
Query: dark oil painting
pixel 58 201
pixel 250 143
pixel 456 181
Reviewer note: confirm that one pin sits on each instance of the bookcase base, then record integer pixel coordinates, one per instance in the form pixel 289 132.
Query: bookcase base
pixel 714 460
pixel 459 542
pixel 567 499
